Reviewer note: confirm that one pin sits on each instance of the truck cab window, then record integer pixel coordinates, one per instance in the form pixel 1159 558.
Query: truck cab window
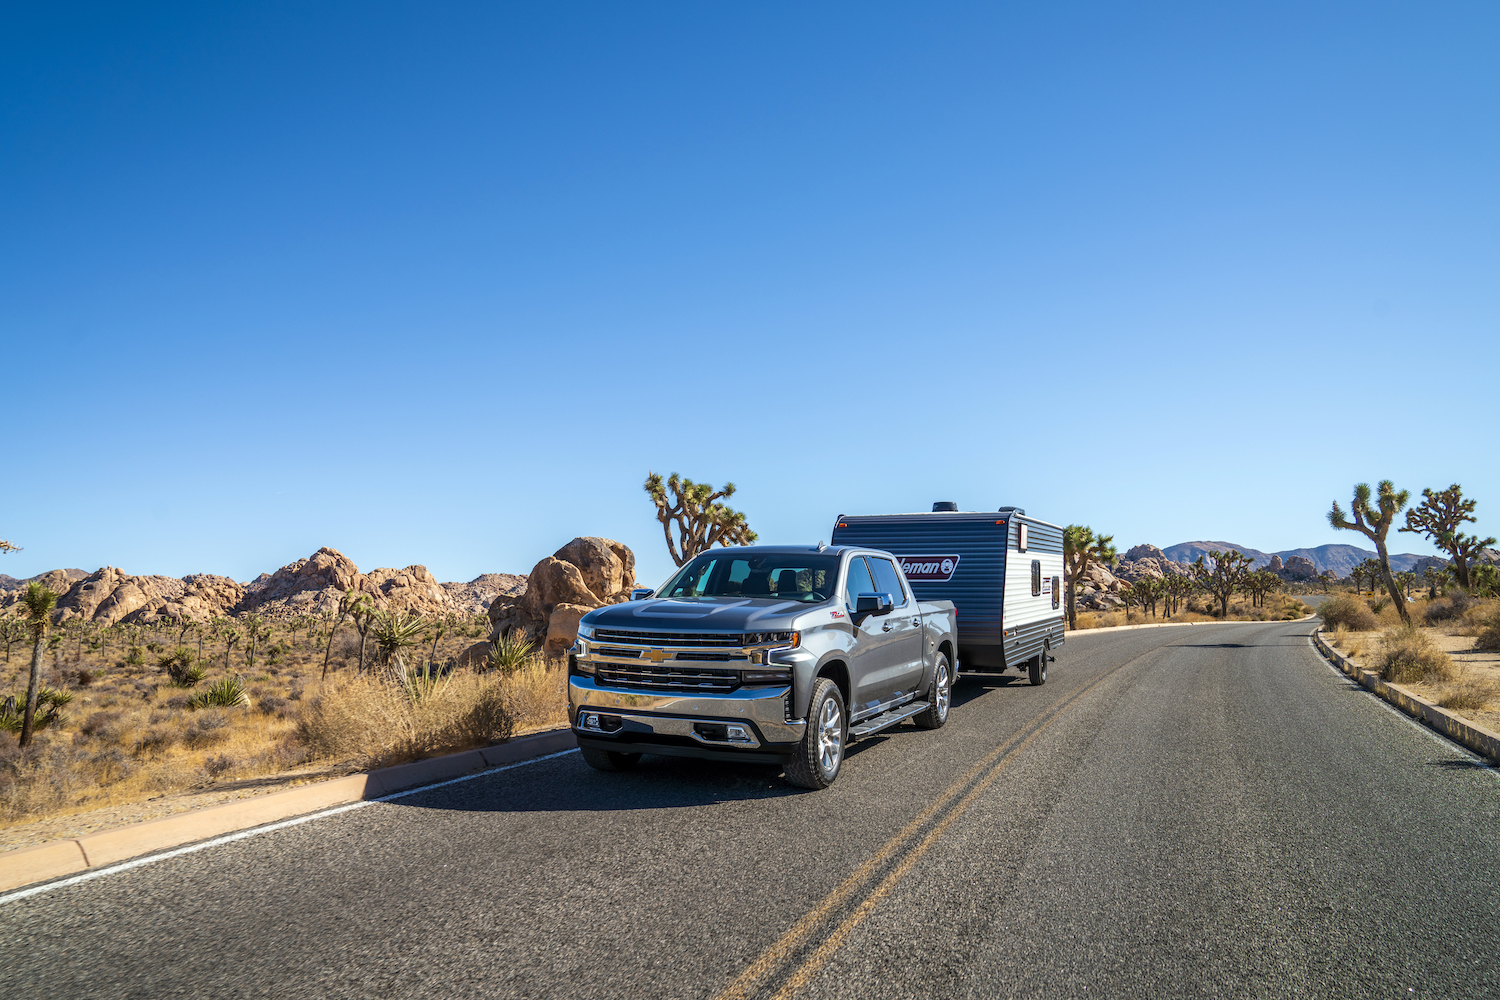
pixel 887 580
pixel 858 582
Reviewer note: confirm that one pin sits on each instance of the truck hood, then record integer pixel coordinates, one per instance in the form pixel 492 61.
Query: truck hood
pixel 705 614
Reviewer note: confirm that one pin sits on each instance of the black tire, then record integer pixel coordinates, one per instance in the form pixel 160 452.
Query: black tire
pixel 940 698
pixel 1036 669
pixel 608 760
pixel 821 753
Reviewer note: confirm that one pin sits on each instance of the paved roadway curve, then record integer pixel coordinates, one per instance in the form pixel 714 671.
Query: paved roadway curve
pixel 1178 812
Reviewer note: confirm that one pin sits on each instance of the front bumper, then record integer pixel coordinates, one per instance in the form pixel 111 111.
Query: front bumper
pixel 746 724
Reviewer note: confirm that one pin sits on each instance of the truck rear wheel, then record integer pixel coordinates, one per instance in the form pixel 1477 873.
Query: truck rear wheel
pixel 1036 668
pixel 821 753
pixel 608 760
pixel 939 698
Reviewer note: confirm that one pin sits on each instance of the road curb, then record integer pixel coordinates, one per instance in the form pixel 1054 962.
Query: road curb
pixel 1459 730
pixel 75 855
pixel 1122 628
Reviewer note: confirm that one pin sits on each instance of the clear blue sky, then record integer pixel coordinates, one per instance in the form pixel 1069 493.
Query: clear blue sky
pixel 441 283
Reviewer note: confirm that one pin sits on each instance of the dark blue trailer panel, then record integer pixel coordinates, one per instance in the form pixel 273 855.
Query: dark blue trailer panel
pixel 968 558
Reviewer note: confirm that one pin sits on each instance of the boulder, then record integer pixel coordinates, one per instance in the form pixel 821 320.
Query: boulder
pixel 1299 568
pixel 607 567
pixel 562 628
pixel 1146 552
pixel 1276 565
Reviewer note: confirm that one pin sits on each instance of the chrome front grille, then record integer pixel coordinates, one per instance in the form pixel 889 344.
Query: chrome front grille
pixel 666 678
pixel 699 639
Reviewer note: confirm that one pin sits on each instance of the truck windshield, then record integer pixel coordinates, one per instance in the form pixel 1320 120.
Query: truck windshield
pixel 771 576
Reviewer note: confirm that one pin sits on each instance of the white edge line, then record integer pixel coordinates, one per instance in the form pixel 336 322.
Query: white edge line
pixel 258 830
pixel 1427 731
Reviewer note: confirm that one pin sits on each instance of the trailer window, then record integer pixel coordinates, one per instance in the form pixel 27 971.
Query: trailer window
pixel 1036 578
pixel 1022 538
pixel 1056 591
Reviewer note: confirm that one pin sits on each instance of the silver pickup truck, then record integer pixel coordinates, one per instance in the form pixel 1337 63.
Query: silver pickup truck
pixel 776 654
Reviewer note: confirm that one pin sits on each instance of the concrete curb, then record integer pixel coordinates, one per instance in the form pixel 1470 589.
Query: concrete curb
pixel 1122 628
pixel 1461 731
pixel 79 854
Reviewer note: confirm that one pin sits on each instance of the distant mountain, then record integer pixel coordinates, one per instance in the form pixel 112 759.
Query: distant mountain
pixel 1340 559
pixel 49 577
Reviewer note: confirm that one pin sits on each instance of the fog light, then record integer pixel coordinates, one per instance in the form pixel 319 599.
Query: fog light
pixel 737 734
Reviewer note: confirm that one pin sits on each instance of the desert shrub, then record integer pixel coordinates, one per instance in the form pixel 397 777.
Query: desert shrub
pixel 180 667
pixel 538 695
pixel 179 701
pixel 270 704
pixel 1447 608
pixel 1348 611
pixel 377 723
pixel 1487 629
pixel 110 765
pixel 135 656
pixel 1470 693
pixel 101 726
pixel 1408 655
pixel 216 766
pixel 1340 637
pixel 156 739
pixel 206 730
pixel 226 692
pixel 42 777
pixel 155 648
pixel 83 677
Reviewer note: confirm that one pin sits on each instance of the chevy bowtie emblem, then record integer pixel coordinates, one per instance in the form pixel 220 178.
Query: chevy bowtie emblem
pixel 657 655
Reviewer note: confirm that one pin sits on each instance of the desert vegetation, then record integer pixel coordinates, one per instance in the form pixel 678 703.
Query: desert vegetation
pixel 129 712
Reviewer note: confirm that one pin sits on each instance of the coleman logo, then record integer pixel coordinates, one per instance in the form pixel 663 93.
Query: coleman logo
pixel 929 569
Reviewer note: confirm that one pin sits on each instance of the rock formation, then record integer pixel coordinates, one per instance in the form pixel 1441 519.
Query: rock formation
pixel 476 596
pixel 586 573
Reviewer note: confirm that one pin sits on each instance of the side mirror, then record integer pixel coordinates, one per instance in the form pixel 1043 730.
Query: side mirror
pixel 872 604
pixel 641 593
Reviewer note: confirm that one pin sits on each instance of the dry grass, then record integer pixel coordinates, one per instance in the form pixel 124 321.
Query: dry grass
pixel 1485 624
pixel 1469 693
pixel 1349 612
pixel 130 735
pixel 1407 654
pixel 376 723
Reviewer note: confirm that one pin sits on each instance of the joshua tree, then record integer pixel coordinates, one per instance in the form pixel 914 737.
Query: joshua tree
pixel 1173 589
pixel 1375 524
pixel 8 547
pixel 1325 578
pixel 1438 517
pixel 1224 577
pixel 1149 590
pixel 1080 548
pixel 701 521
pixel 1436 578
pixel 37 603
pixel 1407 581
pixel 231 637
pixel 1485 579
pixel 1130 597
pixel 347 605
pixel 257 631
pixel 363 613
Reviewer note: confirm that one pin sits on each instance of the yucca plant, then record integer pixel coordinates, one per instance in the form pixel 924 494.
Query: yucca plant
pixel 49 704
pixel 37 604
pixel 393 632
pixel 425 682
pixel 226 692
pixel 511 650
pixel 180 667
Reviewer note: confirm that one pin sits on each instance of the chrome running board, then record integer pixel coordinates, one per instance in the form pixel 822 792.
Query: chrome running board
pixel 887 720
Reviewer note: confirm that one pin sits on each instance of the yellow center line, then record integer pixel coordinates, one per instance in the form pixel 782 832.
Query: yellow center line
pixel 789 942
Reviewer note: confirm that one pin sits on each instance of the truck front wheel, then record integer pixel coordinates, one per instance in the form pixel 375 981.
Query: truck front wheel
pixel 821 752
pixel 939 698
pixel 608 760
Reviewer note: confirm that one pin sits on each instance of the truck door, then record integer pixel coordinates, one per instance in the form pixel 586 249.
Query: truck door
pixel 904 623
pixel 876 642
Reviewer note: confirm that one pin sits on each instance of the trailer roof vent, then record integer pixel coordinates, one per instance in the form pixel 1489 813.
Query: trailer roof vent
pixel 1012 510
pixel 944 505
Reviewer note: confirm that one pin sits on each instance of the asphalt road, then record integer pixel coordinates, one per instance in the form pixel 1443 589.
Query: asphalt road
pixel 1178 812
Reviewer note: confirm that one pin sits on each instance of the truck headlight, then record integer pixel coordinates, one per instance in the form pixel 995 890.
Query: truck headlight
pixel 585 631
pixel 776 640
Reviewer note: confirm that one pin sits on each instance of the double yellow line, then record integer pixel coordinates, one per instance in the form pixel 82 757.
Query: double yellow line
pixel 977 779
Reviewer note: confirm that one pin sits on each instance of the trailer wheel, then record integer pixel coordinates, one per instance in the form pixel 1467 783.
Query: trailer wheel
pixel 609 760
pixel 1036 669
pixel 939 698
pixel 819 756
